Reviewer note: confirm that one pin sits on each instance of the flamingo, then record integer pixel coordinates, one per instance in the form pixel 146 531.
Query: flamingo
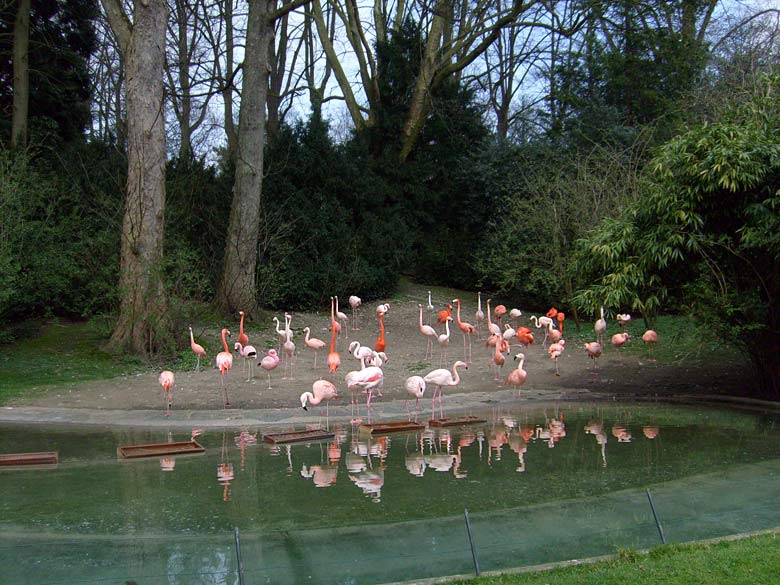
pixel 466 329
pixel 515 314
pixel 334 359
pixel 313 343
pixel 560 317
pixel 249 353
pixel 442 315
pixel 197 349
pixel 443 377
pixel 415 386
pixel 525 336
pixel 623 319
pixel 594 351
pixel 289 351
pixel 555 350
pixel 554 335
pixel 334 325
pixel 430 307
pixel 268 363
pixel 343 320
pixel 224 363
pixel 361 353
pixel 167 380
pixel 540 322
pixel 601 326
pixel 508 333
pixel 382 309
pixel 243 338
pixel 444 340
pixel 280 333
pixel 479 315
pixel 499 311
pixel 320 390
pixel 493 329
pixel 355 302
pixel 517 377
pixel 368 379
pixel 650 338
pixel 381 344
pixel 428 332
pixel 502 345
pixel 378 359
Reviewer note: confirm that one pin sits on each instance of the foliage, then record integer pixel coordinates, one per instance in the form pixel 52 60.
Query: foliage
pixel 62 37
pixel 708 219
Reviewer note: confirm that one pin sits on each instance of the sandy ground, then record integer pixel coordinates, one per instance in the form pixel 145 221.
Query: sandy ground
pixel 198 393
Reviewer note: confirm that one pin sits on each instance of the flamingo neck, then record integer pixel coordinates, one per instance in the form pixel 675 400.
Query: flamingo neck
pixel 241 325
pixel 192 337
pixel 224 341
pixel 421 322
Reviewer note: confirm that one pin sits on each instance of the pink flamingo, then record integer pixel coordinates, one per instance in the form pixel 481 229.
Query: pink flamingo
pixel 415 386
pixel 368 379
pixel 289 351
pixel 343 320
pixel 361 353
pixel 594 351
pixel 465 329
pixel 268 363
pixel 650 338
pixel 313 343
pixel 502 345
pixel 224 363
pixel 479 315
pixel 355 302
pixel 443 377
pixel 429 332
pixel 249 353
pixel 167 380
pixel 555 350
pixel 517 377
pixel 553 334
pixel 334 324
pixel 334 359
pixel 320 390
pixel 197 349
pixel 600 327
pixel 619 340
pixel 499 311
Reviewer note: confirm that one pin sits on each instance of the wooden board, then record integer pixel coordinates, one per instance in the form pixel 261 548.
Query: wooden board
pixel 453 422
pixel 298 436
pixel 159 449
pixel 23 459
pixel 391 427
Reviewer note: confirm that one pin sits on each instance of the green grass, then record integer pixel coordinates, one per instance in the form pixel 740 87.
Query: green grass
pixel 754 560
pixel 61 354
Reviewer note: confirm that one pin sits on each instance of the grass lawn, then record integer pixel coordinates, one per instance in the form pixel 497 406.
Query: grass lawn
pixel 754 560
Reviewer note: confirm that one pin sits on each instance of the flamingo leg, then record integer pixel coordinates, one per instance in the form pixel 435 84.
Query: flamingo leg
pixel 226 401
pixel 269 380
pixel 197 366
pixel 557 372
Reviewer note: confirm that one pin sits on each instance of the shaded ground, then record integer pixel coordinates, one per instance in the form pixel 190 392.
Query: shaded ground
pixel 627 373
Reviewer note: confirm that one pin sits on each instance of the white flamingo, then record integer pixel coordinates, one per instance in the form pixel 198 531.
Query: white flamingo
pixel 415 386
pixel 344 320
pixel 443 377
pixel 444 341
pixel 600 327
pixel 355 302
pixel 249 353
pixel 479 315
pixel 428 332
pixel 361 353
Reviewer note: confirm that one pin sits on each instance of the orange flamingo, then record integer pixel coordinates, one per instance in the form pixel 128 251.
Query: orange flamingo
pixel 442 315
pixel 466 329
pixel 381 344
pixel 561 317
pixel 243 338
pixel 517 377
pixel 167 381
pixel 224 363
pixel 552 313
pixel 525 336
pixel 334 359
pixel 197 349
pixel 313 343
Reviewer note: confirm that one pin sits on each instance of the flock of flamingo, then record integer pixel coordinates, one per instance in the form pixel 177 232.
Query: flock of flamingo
pixel 500 337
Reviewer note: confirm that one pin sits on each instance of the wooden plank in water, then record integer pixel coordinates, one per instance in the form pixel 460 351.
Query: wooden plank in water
pixel 159 449
pixel 20 459
pixel 298 436
pixel 391 427
pixel 454 422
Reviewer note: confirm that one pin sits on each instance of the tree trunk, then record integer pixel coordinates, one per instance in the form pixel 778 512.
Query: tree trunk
pixel 144 326
pixel 21 75
pixel 185 112
pixel 237 287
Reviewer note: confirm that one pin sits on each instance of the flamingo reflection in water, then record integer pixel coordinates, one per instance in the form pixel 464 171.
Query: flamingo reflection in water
pixel 651 431
pixel 518 444
pixel 225 473
pixel 322 475
pixel 415 461
pixel 168 463
pixel 243 440
pixel 596 429
pixel 371 482
pixel 621 433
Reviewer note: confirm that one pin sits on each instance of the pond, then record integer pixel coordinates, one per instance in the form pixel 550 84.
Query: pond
pixel 570 481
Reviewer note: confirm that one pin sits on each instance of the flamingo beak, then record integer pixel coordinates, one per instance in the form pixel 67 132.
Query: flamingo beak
pixel 306 409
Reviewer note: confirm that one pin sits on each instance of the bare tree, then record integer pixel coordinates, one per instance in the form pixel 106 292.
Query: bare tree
pixel 143 326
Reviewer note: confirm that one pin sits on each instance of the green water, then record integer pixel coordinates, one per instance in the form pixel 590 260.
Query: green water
pixel 539 486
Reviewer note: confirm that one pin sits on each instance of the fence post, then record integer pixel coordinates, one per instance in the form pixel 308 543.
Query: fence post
pixel 471 542
pixel 238 557
pixel 655 515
